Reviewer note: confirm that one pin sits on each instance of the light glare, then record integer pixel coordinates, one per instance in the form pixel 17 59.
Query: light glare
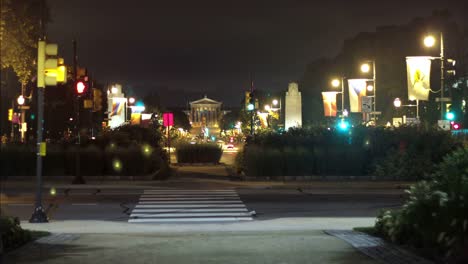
pixel 429 41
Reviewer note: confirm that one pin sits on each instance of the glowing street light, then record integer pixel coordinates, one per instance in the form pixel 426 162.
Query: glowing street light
pixel 20 100
pixel 275 102
pixel 131 100
pixel 267 108
pixel 397 102
pixel 365 67
pixel 429 41
pixel 336 83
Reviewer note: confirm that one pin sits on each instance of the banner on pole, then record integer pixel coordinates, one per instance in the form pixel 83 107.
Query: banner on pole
pixel 418 71
pixel 329 103
pixel 357 89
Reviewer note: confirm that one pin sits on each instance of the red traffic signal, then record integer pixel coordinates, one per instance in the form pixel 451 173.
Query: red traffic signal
pixel 456 126
pixel 80 87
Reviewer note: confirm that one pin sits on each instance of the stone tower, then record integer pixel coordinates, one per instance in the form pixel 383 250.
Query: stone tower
pixel 293 108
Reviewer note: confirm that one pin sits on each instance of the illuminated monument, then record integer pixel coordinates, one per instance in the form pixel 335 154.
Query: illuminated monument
pixel 204 116
pixel 293 108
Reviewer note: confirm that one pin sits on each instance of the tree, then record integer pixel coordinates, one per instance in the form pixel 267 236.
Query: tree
pixel 20 28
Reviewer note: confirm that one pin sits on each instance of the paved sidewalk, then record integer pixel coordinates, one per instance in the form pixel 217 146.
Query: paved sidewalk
pixel 377 248
pixel 292 247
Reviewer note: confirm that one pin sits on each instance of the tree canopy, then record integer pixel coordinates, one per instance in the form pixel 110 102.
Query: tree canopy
pixel 20 28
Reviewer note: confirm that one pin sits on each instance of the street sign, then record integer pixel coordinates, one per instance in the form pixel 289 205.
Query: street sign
pixel 168 119
pixel 412 121
pixel 443 99
pixel 366 104
pixel 376 113
pixel 24 107
pixel 443 124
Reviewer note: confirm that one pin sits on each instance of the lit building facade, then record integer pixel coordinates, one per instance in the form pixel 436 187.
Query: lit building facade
pixel 293 107
pixel 205 116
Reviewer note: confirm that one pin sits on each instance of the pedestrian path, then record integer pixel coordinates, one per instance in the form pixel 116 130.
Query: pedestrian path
pixel 183 205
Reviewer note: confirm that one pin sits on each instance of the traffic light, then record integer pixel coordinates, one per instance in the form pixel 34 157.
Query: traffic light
pixel 455 126
pixel 47 63
pixel 97 100
pixel 250 100
pixel 343 125
pixel 247 100
pixel 81 87
pixel 450 116
pixel 10 114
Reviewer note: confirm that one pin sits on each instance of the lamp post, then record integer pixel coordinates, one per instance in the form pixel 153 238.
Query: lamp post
pixel 397 104
pixel 429 41
pixel 336 83
pixel 20 102
pixel 365 68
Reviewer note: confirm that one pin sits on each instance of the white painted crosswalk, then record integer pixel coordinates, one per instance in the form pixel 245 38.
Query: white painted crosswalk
pixel 167 206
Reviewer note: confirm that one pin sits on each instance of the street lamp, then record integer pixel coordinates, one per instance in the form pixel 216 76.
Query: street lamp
pixel 429 41
pixel 336 83
pixel 366 68
pixel 20 100
pixel 267 108
pixel 275 102
pixel 397 103
pixel 131 100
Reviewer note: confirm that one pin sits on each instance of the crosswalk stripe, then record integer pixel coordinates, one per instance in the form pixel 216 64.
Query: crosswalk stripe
pixel 190 214
pixel 190 210
pixel 189 191
pixel 145 198
pixel 181 205
pixel 190 195
pixel 205 219
pixel 188 205
pixel 191 202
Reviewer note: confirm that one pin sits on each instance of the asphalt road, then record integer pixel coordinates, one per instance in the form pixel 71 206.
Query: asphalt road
pixel 115 204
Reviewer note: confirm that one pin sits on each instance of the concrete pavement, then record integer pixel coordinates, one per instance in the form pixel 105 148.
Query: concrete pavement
pixel 287 228
pixel 227 247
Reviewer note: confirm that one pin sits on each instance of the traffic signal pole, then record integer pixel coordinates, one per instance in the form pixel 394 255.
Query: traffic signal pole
pixel 39 215
pixel 78 179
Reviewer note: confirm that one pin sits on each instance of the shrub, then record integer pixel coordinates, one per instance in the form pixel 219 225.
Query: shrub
pixel 435 217
pixel 13 236
pixel 198 153
pixel 401 153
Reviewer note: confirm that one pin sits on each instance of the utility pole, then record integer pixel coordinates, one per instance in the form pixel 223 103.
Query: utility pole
pixel 442 77
pixel 77 179
pixel 252 132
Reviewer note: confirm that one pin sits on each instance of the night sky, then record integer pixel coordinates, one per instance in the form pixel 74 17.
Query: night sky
pixel 212 47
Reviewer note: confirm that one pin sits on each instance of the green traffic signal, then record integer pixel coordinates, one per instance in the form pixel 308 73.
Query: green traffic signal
pixel 450 116
pixel 33 116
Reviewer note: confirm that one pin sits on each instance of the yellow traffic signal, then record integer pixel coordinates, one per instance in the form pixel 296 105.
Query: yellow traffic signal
pixel 97 100
pixel 10 114
pixel 47 64
pixel 59 73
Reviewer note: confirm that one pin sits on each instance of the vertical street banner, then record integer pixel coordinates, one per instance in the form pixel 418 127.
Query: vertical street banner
pixel 418 71
pixel 263 117
pixel 357 89
pixel 329 103
pixel 117 111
